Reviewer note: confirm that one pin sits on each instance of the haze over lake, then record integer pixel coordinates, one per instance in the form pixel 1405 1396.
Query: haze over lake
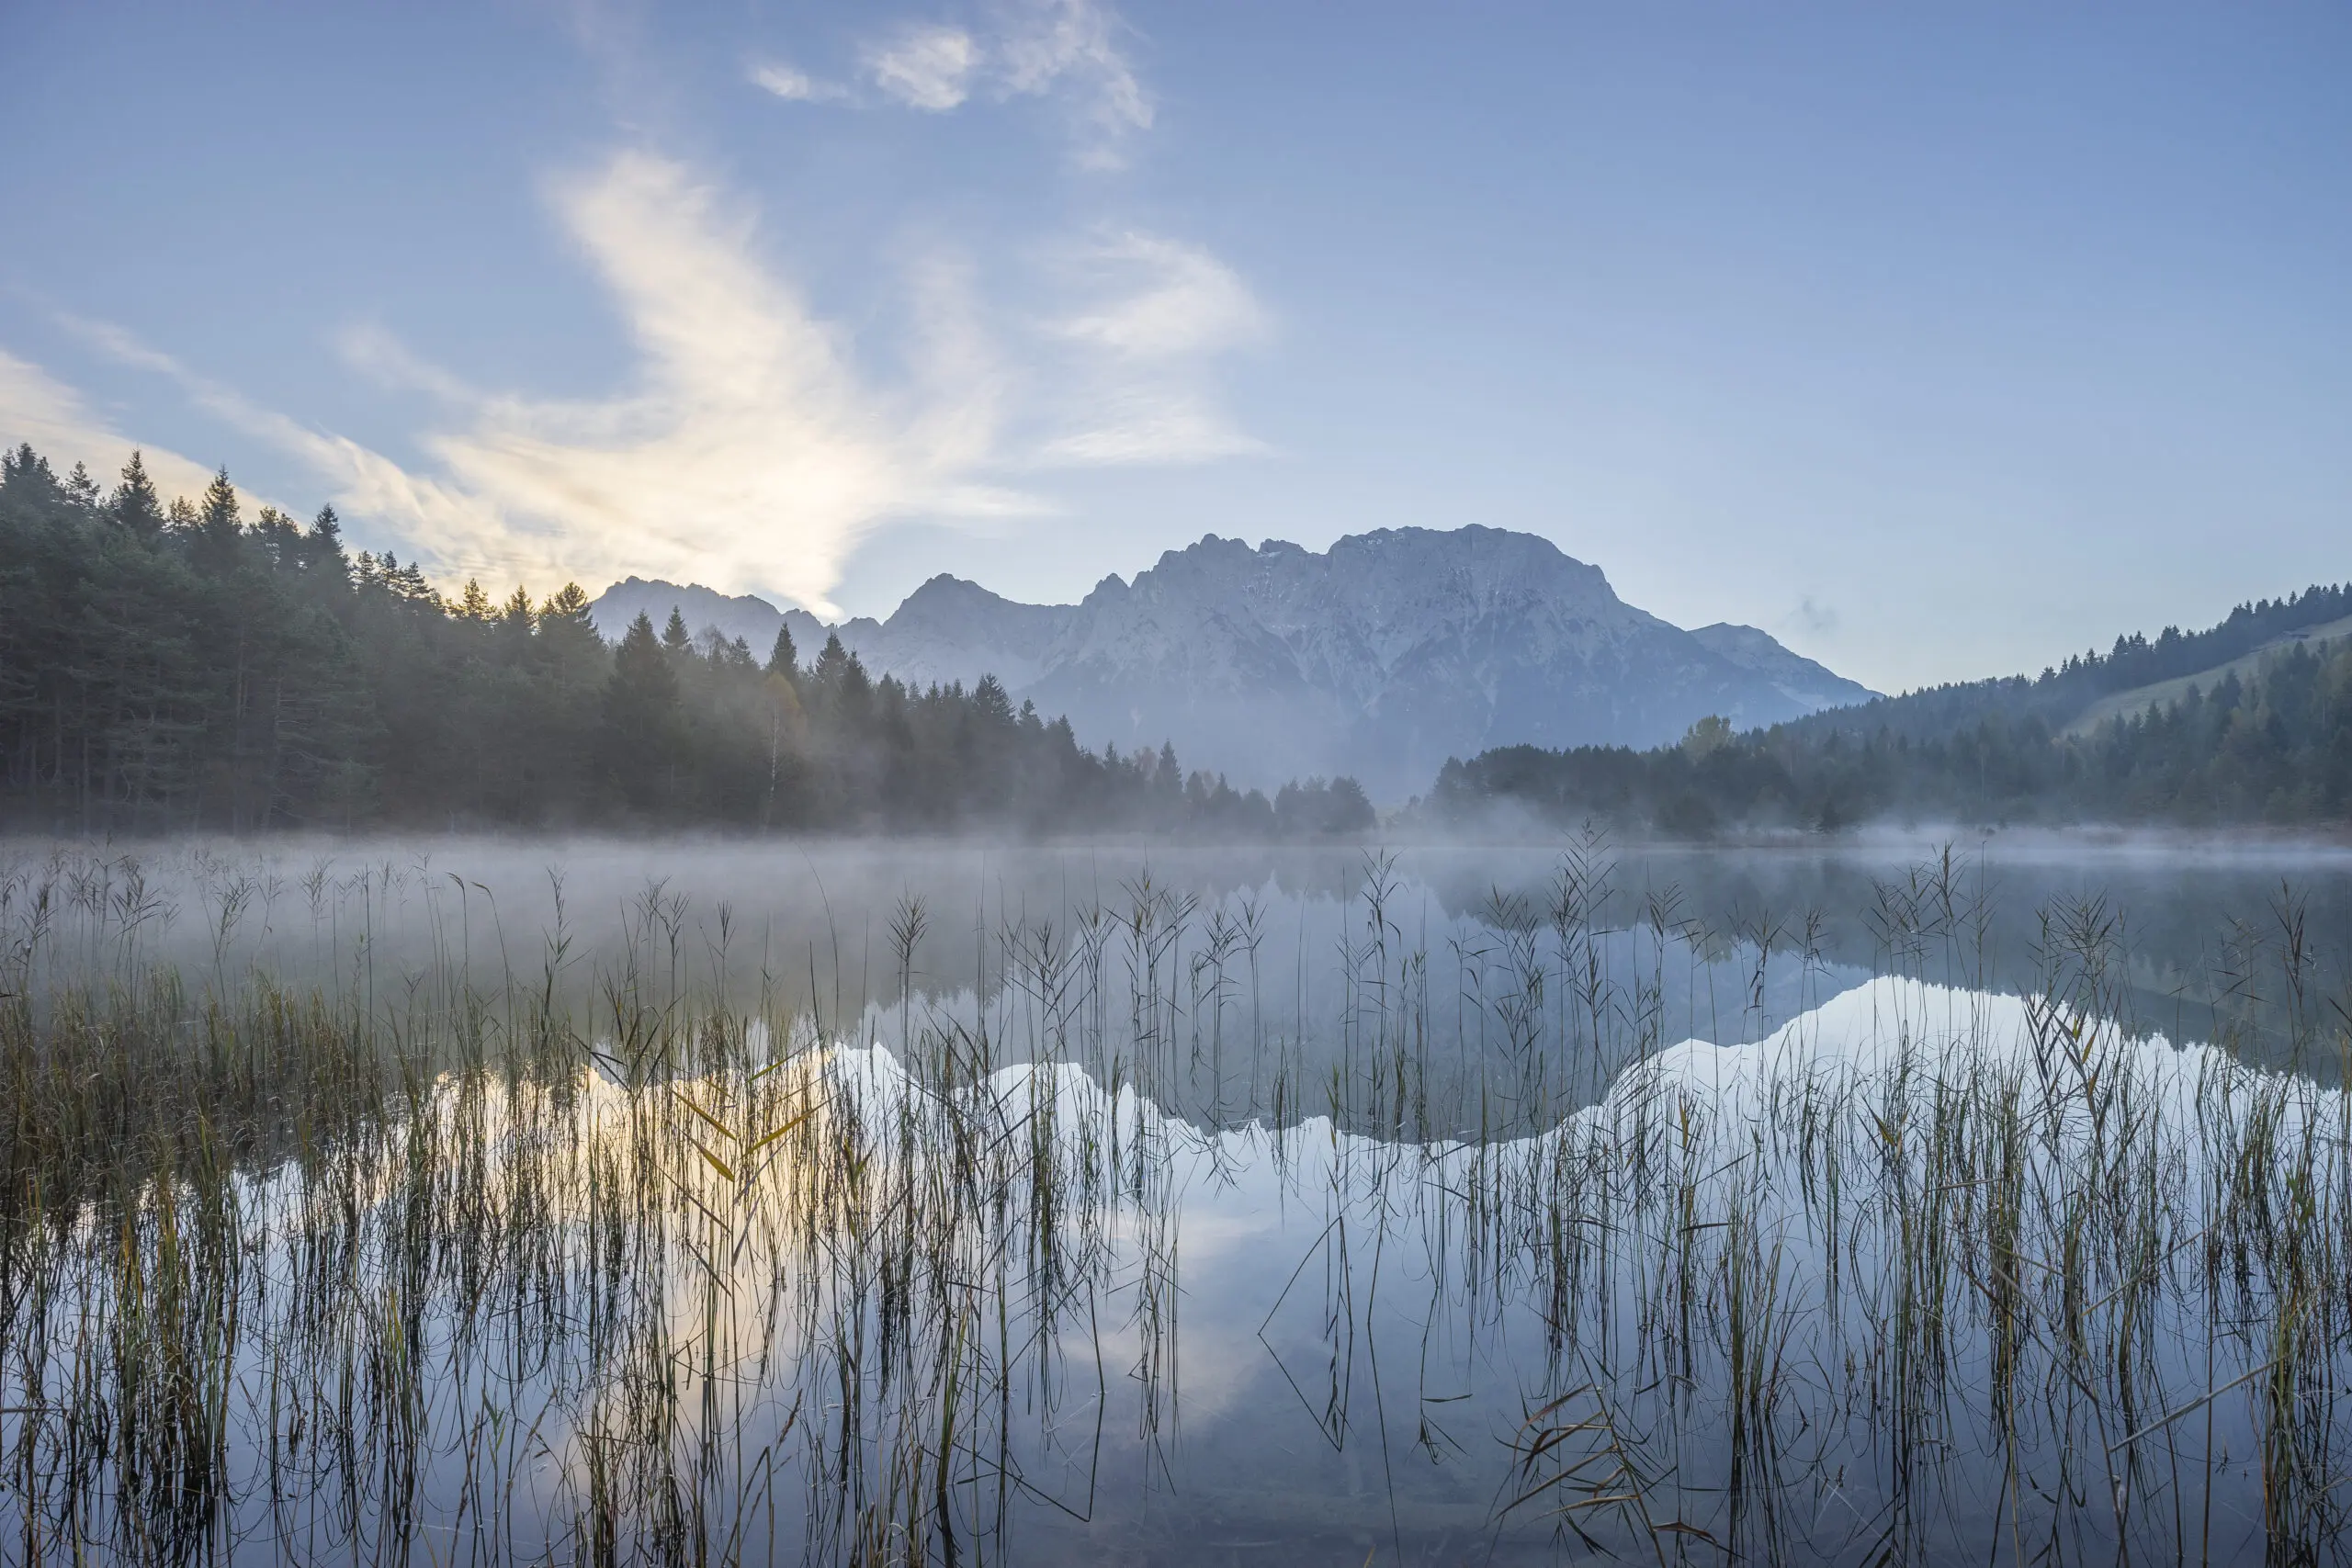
pixel 1503 1200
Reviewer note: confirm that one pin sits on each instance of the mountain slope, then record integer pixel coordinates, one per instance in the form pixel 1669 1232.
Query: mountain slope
pixel 1380 658
pixel 2063 698
pixel 745 615
pixel 1795 677
pixel 2246 667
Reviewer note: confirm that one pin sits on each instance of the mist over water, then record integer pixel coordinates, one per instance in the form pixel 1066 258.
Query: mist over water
pixel 1743 938
pixel 486 1199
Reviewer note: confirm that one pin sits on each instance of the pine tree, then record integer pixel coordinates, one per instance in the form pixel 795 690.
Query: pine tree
pixel 323 559
pixel 674 636
pixel 831 666
pixel 641 728
pixel 135 506
pixel 783 658
pixel 219 528
pixel 568 606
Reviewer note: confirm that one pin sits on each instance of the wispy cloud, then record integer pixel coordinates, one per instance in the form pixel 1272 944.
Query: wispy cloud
pixel 368 348
pixel 752 448
pixel 752 454
pixel 1161 299
pixel 58 422
pixel 1062 49
pixel 790 82
pixel 1157 312
pixel 449 525
pixel 1070 44
pixel 926 67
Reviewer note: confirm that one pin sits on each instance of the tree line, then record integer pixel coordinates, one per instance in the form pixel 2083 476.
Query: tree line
pixel 174 667
pixel 2062 692
pixel 2272 747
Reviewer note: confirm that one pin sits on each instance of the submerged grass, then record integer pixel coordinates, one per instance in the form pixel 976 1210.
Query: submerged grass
pixel 585 1259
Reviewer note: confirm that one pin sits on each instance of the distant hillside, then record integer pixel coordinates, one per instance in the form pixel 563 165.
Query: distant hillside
pixel 2249 722
pixel 1379 657
pixel 2246 667
pixel 2064 696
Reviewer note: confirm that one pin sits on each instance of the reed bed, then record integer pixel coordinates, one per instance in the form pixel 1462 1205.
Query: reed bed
pixel 1438 1245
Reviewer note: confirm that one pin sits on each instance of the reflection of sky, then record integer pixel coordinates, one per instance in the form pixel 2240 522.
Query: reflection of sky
pixel 1345 1372
pixel 1348 1348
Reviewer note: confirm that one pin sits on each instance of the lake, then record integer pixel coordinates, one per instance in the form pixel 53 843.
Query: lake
pixel 477 1201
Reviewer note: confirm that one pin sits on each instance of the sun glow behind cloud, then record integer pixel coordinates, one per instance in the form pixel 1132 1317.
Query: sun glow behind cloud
pixel 756 443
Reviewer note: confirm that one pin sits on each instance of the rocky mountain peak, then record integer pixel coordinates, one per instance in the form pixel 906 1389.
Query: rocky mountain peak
pixel 1380 657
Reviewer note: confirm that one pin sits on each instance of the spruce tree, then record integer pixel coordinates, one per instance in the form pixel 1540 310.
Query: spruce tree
pixel 136 507
pixel 833 662
pixel 218 527
pixel 642 732
pixel 323 559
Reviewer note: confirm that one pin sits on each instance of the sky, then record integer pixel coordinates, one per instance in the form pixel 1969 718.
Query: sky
pixel 1937 341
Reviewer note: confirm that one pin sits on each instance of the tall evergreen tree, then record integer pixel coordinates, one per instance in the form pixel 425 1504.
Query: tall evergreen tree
pixel 219 528
pixel 136 507
pixel 641 728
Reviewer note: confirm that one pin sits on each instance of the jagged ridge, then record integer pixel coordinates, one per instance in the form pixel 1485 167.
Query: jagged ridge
pixel 1380 657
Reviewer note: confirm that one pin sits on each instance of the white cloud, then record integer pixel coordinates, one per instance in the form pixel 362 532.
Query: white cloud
pixel 749 456
pixel 790 82
pixel 370 348
pixel 1050 44
pixel 926 67
pixel 1151 423
pixel 1168 300
pixel 1039 49
pixel 752 452
pixel 455 529
pixel 1158 310
pixel 37 408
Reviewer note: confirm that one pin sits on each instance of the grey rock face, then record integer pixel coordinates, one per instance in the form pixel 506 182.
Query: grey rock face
pixel 1380 658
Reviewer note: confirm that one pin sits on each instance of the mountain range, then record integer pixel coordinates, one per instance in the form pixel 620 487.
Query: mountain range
pixel 1381 657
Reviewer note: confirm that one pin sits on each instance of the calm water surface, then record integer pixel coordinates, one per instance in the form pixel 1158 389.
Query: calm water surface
pixel 949 1203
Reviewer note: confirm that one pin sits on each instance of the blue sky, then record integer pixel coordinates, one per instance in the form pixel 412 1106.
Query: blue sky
pixel 1937 341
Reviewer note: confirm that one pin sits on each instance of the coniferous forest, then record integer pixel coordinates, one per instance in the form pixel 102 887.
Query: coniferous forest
pixel 2271 747
pixel 175 666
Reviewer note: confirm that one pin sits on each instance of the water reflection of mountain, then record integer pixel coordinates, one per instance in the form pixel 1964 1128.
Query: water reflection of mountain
pixel 1498 983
